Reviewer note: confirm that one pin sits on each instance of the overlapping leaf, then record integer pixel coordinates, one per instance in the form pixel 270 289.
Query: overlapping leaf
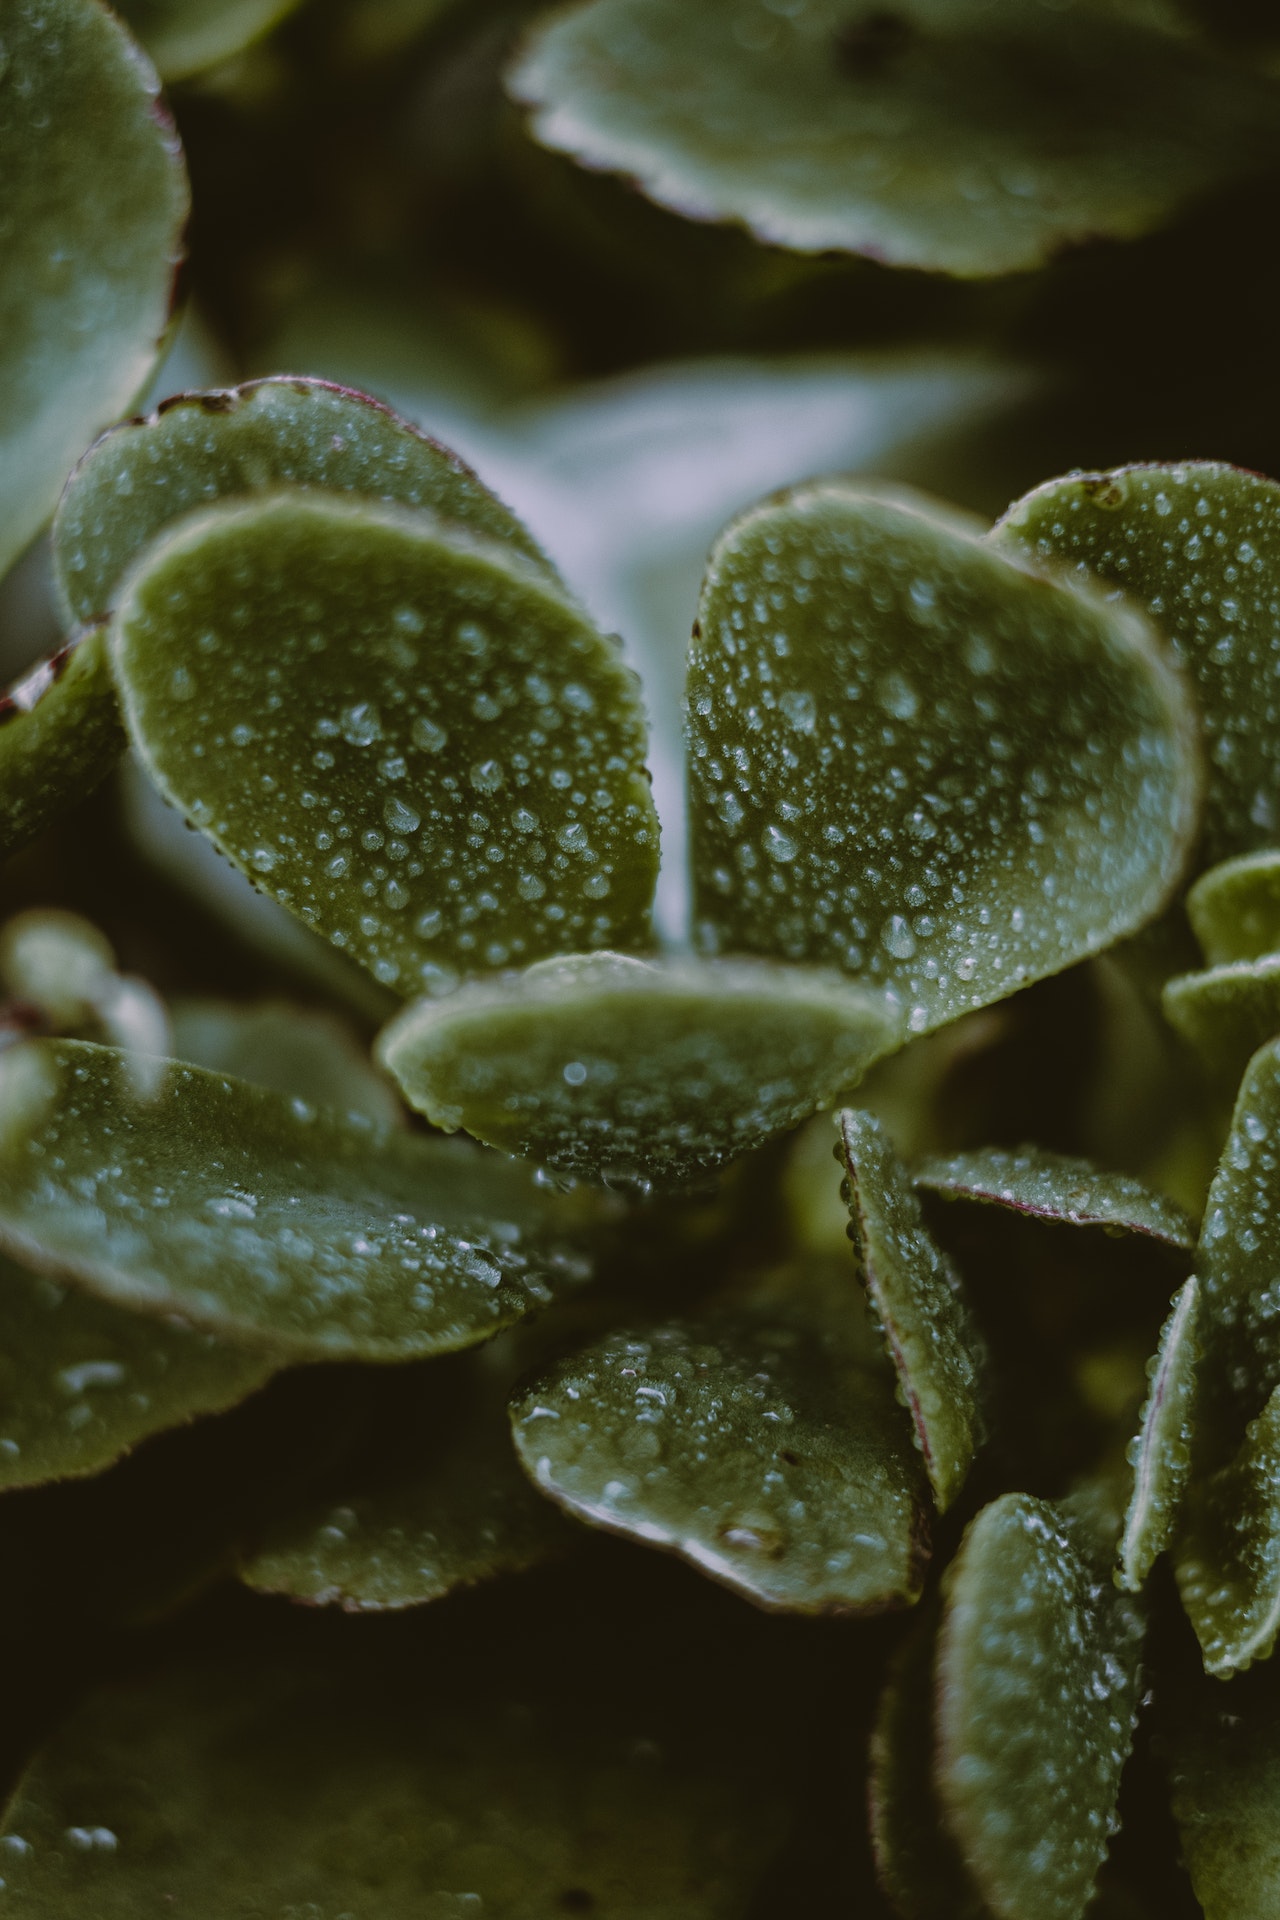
pixel 977 138
pixel 1223 1748
pixel 274 1044
pixel 1057 1187
pixel 60 736
pixel 400 732
pixel 253 1216
pixel 1228 1553
pixel 1160 1452
pixel 915 760
pixel 1226 1013
pixel 185 36
pixel 643 1071
pixel 1235 908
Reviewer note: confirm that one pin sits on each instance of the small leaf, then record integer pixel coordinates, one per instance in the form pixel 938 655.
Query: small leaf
pixel 1224 1753
pixel 971 137
pixel 1228 1553
pixel 140 479
pixel 274 1044
pixel 1038 1677
pixel 81 1381
pixel 1234 908
pixel 1058 1187
pixel 252 1216
pixel 917 761
pixel 1160 1453
pixel 1199 544
pixel 60 736
pixel 1225 1013
pixel 640 1071
pixel 400 732
pixel 744 1443
pixel 186 36
pixel 95 202
pixel 919 1299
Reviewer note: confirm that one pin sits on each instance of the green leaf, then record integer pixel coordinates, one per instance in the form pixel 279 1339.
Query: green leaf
pixel 1234 908
pixel 748 1443
pixel 251 1215
pixel 975 138
pixel 1223 1749
pixel 919 1299
pixel 1198 544
pixel 1038 1678
pixel 1225 1013
pixel 399 731
pixel 199 448
pixel 1057 1187
pixel 1228 1553
pixel 60 736
pixel 95 203
pixel 81 1381
pixel 436 1501
pixel 920 762
pixel 185 36
pixel 274 1044
pixel 638 1071
pixel 1160 1452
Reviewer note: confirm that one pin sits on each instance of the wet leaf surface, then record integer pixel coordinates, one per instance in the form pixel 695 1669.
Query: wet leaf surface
pixel 1223 1750
pixel 60 736
pixel 1226 1013
pixel 277 1045
pixel 638 1071
pixel 199 448
pixel 1160 1453
pixel 1199 545
pixel 1228 1555
pixel 1234 908
pixel 1038 1678
pixel 399 732
pixel 255 1217
pixel 81 1381
pixel 913 760
pixel 186 36
pixel 918 1297
pixel 949 134
pixel 95 203
pixel 750 1444
pixel 1057 1187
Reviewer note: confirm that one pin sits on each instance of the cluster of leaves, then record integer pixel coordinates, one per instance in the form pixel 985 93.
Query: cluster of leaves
pixel 983 853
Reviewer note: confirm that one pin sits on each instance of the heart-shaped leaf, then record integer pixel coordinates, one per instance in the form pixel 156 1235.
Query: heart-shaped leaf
pixel 1228 1553
pixel 976 138
pixel 1199 544
pixel 249 1214
pixel 1160 1452
pixel 1057 1187
pixel 1235 908
pixel 916 760
pixel 1038 1679
pixel 185 36
pixel 655 1071
pixel 400 732
pixel 274 1044
pixel 82 1381
pixel 748 1444
pixel 1226 1013
pixel 60 736
pixel 1223 1748
pixel 95 202
pixel 198 448
pixel 918 1298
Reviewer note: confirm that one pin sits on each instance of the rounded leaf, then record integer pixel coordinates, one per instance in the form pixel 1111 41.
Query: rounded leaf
pixel 277 1045
pixel 60 736
pixel 1223 1749
pixel 916 760
pixel 1057 1187
pixel 1225 1013
pixel 1228 1554
pixel 1234 908
pixel 185 36
pixel 638 1071
pixel 1160 1452
pixel 95 203
pixel 400 732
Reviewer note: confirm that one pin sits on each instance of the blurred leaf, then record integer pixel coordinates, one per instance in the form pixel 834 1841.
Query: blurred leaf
pixel 82 1381
pixel 384 722
pixel 1225 1014
pixel 1038 1678
pixel 920 762
pixel 60 736
pixel 1057 1187
pixel 1223 1747
pixel 1235 908
pixel 1160 1453
pixel 1199 545
pixel 956 135
pixel 749 1443
pixel 638 1071
pixel 312 1236
pixel 185 36
pixel 1228 1554
pixel 918 1297
pixel 277 1045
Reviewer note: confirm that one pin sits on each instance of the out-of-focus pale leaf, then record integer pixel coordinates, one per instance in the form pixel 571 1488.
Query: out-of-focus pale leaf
pixel 274 1044
pixel 1226 1013
pixel 82 1381
pixel 918 1297
pixel 956 135
pixel 1199 545
pixel 399 731
pixel 1227 1557
pixel 1038 1681
pixel 921 762
pixel 1057 1187
pixel 1160 1452
pixel 185 36
pixel 655 1071
pixel 1223 1749
pixel 60 736
pixel 95 202
pixel 1235 908
pixel 250 1214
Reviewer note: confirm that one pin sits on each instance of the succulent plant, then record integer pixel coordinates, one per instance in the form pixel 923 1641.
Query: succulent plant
pixel 810 1441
